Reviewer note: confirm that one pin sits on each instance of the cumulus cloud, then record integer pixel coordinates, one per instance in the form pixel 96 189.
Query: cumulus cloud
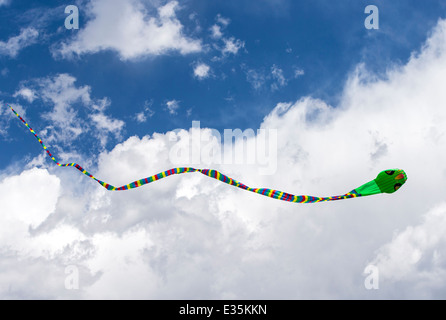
pixel 33 183
pixel 128 28
pixel 415 257
pixel 68 102
pixel 190 236
pixel 14 45
pixel 201 71
pixel 107 124
pixel 62 93
pixel 26 93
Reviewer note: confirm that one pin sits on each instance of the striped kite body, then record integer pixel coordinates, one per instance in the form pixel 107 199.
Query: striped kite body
pixel 387 181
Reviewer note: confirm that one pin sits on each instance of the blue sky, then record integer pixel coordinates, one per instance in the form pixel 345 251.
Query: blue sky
pixel 312 45
pixel 345 102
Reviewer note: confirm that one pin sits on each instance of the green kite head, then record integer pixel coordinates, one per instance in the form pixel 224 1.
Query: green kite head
pixel 389 181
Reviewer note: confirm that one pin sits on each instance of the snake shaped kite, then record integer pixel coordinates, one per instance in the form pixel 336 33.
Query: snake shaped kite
pixel 387 181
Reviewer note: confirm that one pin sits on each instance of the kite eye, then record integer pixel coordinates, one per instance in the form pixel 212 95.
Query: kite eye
pixel 390 172
pixel 399 177
pixel 397 186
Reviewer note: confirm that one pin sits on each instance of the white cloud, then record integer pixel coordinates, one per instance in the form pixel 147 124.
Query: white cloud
pixel 33 185
pixel 125 26
pixel 172 106
pixel 275 77
pixel 201 71
pixel 32 259
pixel 68 103
pixel 147 112
pixel 27 200
pixel 107 125
pixel 191 237
pixel 126 257
pixel 232 45
pixel 12 47
pixel 26 93
pixel 298 73
pixel 6 116
pixel 216 31
pixel 62 93
pixel 141 117
pixel 255 78
pixel 228 45
pixel 279 79
pixel 4 2
pixel 416 257
pixel 223 21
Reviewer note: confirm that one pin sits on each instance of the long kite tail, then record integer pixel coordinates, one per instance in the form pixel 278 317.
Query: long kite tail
pixel 366 189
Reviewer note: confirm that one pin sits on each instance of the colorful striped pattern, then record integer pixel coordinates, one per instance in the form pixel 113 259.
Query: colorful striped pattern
pixel 275 194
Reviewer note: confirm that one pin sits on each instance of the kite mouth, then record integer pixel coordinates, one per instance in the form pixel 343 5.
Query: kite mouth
pixel 399 177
